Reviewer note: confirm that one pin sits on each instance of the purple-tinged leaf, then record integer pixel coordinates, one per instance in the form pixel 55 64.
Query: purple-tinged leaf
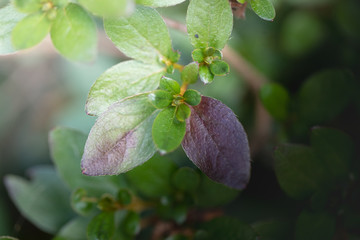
pixel 217 143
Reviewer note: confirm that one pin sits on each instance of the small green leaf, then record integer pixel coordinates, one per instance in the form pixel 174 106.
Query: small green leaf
pixel 192 97
pixel 122 80
pixel 182 112
pixel 169 85
pixel 101 227
pixel 106 8
pixel 153 178
pixel 131 224
pixel 78 203
pixel 107 203
pixel 30 31
pixel 263 8
pixel 28 6
pixel 41 198
pixel 159 3
pixel 168 132
pixel 209 23
pixel 121 138
pixel 74 229
pixel 206 76
pixel 186 179
pixel 73 33
pixel 315 226
pixel 143 36
pixel 198 55
pixel 9 17
pixel 123 196
pixel 60 3
pixel 219 68
pixel 189 75
pixel 275 99
pixel 160 98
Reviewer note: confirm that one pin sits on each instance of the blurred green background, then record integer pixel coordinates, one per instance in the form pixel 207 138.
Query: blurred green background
pixel 40 90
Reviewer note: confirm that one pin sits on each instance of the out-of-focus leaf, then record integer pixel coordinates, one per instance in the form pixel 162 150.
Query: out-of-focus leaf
pixel 226 228
pixel 27 6
pixel 298 170
pixel 206 76
pixel 101 227
pixel 121 138
pixel 44 200
pixel 217 143
pixel 186 179
pixel 73 33
pixel 153 178
pixel 322 97
pixel 190 73
pixel 123 196
pixel 167 131
pixel 30 31
pixel 312 3
pixel 301 32
pixel 213 194
pixel 275 99
pixel 159 3
pixel 9 17
pixel 143 36
pixel 335 149
pixel 78 204
pixel 314 226
pixel 131 224
pixel 66 147
pixel 273 229
pixel 74 229
pixel 209 23
pixel 7 238
pixel 122 80
pixel 263 8
pixel 106 8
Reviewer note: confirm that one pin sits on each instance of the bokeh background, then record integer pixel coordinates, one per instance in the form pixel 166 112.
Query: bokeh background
pixel 39 90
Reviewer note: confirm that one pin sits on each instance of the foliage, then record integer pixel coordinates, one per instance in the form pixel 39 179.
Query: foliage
pixel 116 182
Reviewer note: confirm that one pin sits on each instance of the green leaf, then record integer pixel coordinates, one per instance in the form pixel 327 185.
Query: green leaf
pixel 123 196
pixel 143 36
pixel 205 74
pixel 186 179
pixel 226 228
pixel 315 226
pixel 169 85
pixel 183 112
pixel 106 8
pixel 263 8
pixel 73 33
pixel 159 3
pixel 42 198
pixel 189 75
pixel 30 31
pixel 101 227
pixel 322 97
pixel 66 147
pixel 192 97
pixel 298 170
pixel 198 55
pixel 74 229
pixel 209 23
pixel 273 229
pixel 168 132
pixel 213 194
pixel 122 80
pixel 335 149
pixel 153 178
pixel 78 203
pixel 219 68
pixel 275 99
pixel 160 98
pixel 28 6
pixel 121 138
pixel 131 224
pixel 9 17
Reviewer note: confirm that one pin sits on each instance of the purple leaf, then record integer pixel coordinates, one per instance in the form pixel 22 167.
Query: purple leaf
pixel 217 144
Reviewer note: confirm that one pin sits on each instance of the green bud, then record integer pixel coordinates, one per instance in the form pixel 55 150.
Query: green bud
pixel 107 203
pixel 192 97
pixel 169 85
pixel 78 202
pixel 190 73
pixel 219 68
pixel 198 55
pixel 217 55
pixel 124 197
pixel 209 59
pixel 205 74
pixel 182 112
pixel 209 51
pixel 174 56
pixel 160 98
